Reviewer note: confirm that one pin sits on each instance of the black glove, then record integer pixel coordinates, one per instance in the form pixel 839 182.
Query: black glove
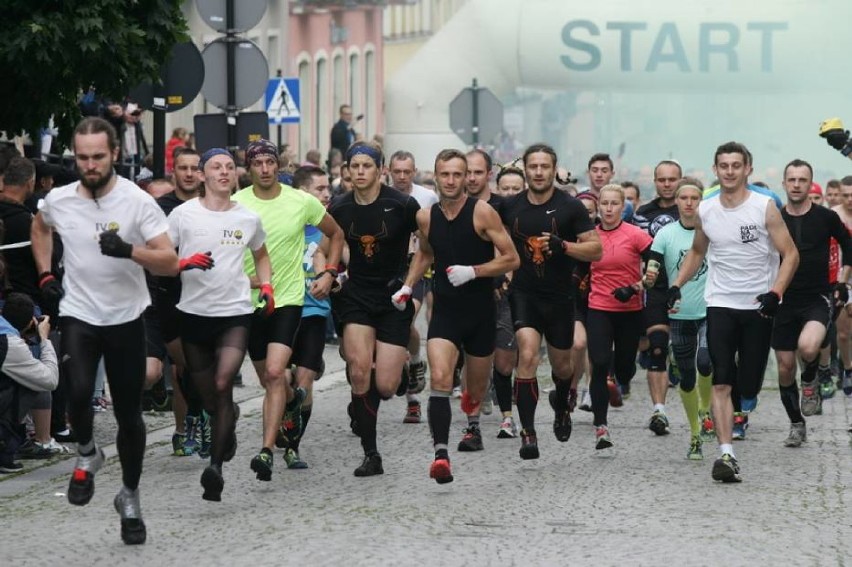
pixel 556 244
pixel 623 294
pixel 672 297
pixel 113 245
pixel 769 303
pixel 51 289
pixel 837 138
pixel 840 294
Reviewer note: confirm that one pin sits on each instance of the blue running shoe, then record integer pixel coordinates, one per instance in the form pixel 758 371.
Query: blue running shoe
pixel 748 405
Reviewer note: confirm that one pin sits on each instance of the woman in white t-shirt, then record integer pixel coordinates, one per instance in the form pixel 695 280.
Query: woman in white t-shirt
pixel 215 302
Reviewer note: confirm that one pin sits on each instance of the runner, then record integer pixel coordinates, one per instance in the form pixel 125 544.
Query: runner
pixel 844 321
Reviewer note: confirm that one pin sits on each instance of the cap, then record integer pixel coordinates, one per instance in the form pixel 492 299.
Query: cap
pixel 815 189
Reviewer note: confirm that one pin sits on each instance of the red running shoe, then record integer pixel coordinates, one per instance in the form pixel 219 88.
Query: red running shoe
pixel 440 471
pixel 615 399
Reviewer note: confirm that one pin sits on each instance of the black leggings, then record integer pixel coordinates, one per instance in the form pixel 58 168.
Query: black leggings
pixel 689 346
pixel 214 349
pixel 605 330
pixel 123 348
pixel 739 348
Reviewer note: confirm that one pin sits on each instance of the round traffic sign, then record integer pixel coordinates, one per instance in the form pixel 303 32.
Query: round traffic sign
pixel 247 13
pixel 251 72
pixel 181 78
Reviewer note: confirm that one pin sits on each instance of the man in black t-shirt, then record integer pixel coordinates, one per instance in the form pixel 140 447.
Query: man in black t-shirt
pixel 802 320
pixel 377 222
pixel 551 230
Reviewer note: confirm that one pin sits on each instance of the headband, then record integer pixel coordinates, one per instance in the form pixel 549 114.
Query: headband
pixel 689 186
pixel 364 150
pixel 261 148
pixel 206 156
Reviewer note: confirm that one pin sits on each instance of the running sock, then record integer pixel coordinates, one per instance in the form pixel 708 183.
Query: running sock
pixel 366 408
pixel 660 408
pixel 705 392
pixel 266 450
pixel 503 389
pixel 809 371
pixel 439 416
pixel 473 420
pixel 441 453
pixel 726 449
pixel 690 406
pixel 526 394
pixel 412 399
pixel 414 358
pixel 86 449
pixel 563 387
pixel 790 399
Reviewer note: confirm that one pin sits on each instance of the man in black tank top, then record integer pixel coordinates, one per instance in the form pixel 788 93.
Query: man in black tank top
pixel 551 231
pixel 459 235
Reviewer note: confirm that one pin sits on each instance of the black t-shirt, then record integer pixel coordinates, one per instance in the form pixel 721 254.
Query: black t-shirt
pixel 811 232
pixel 497 202
pixel 562 215
pixel 20 264
pixel 165 287
pixel 651 217
pixel 378 235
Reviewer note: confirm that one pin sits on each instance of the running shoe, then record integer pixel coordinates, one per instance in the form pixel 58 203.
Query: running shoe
pixel 740 426
pixel 694 453
pixel 291 457
pixel 403 381
pixel 811 402
pixel 468 405
pixel 471 440
pixel 441 471
pixel 65 436
pixel 487 405
pixel 708 430
pixel 192 444
pixel 561 419
pixel 82 485
pixel 826 383
pixel 529 445
pixel 213 483
pixel 847 382
pixel 33 450
pixel 412 413
pixel 615 399
pixel 370 466
pixel 726 469
pixel 748 405
pixel 602 438
pixel 178 442
pixel 457 392
pixel 798 435
pixel 507 430
pixel 261 464
pixel 416 377
pixel 126 503
pixel 659 423
pixel 624 388
pixel 9 466
pixel 205 434
pixel 291 423
pixel 585 401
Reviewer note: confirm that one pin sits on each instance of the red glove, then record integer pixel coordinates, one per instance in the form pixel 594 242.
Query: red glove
pixel 267 297
pixel 197 261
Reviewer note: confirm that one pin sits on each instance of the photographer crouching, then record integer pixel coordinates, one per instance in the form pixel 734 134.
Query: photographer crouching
pixel 28 373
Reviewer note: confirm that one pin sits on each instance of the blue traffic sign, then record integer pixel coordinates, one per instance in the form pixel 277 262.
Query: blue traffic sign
pixel 282 101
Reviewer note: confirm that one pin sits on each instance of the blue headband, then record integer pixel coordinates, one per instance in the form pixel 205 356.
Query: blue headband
pixel 206 156
pixel 370 152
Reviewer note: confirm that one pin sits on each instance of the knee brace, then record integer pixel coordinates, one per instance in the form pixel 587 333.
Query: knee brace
pixel 703 363
pixel 659 350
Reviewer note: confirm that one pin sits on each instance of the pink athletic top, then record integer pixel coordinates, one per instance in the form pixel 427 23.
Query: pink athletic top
pixel 620 266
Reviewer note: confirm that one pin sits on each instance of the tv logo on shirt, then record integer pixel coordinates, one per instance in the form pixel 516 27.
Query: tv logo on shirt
pixel 104 226
pixel 748 233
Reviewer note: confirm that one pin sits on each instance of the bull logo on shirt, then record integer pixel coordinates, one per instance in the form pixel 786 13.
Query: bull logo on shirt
pixel 369 243
pixel 533 247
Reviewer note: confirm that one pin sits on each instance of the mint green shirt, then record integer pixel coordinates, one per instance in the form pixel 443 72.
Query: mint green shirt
pixel 673 241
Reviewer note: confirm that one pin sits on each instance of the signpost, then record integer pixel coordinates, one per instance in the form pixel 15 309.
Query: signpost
pixel 476 115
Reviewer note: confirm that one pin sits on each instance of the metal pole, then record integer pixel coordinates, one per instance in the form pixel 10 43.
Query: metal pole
pixel 475 129
pixel 231 44
pixel 278 74
pixel 159 141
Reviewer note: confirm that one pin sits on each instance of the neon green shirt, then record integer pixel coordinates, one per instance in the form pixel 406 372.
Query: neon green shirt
pixel 284 219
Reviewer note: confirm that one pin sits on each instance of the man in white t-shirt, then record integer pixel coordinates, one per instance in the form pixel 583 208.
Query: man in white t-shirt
pixel 402 171
pixel 741 233
pixel 110 230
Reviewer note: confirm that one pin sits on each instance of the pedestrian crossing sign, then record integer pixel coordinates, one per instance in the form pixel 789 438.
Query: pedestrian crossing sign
pixel 282 100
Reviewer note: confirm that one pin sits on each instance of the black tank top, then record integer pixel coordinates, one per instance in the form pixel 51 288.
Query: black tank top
pixel 456 242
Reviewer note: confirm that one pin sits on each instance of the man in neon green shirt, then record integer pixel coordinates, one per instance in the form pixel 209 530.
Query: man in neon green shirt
pixel 284 212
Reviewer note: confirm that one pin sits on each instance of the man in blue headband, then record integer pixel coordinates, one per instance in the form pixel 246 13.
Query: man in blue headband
pixel 284 212
pixel 377 221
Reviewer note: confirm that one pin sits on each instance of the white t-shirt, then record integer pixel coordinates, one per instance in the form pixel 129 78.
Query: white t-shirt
pixel 102 290
pixel 742 260
pixel 223 290
pixel 424 197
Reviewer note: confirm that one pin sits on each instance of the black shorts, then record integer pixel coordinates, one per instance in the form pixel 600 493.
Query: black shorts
pixel 418 292
pixel 505 339
pixel 280 327
pixel 739 343
pixel 656 310
pixel 310 343
pixel 791 319
pixel 154 345
pixel 581 309
pixel 552 319
pixel 471 325
pixel 373 308
pixel 169 318
pixel 199 329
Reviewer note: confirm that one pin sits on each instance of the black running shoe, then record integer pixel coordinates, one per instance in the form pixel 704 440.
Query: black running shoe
pixel 261 464
pixel 213 483
pixel 562 426
pixel 371 466
pixel 82 485
pixel 726 469
pixel 472 439
pixel 529 445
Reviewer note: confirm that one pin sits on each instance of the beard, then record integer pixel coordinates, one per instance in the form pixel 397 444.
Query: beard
pixel 97 183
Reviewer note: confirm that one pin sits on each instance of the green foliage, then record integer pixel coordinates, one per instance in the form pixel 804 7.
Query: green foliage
pixel 54 50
